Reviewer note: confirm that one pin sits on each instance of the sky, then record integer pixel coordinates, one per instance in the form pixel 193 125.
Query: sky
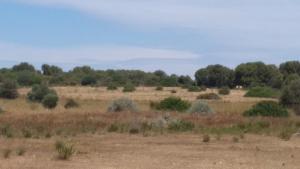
pixel 178 36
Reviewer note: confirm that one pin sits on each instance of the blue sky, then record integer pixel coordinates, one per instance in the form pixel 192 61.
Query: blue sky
pixel 178 36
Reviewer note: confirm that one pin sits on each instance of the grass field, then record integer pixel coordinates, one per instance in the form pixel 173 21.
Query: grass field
pixel 103 140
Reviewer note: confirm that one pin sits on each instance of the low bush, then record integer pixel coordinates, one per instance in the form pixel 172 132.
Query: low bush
pixel 201 108
pixel 263 92
pixel 209 96
pixel 112 86
pixel 8 90
pixel 7 153
pixel 173 91
pixel 181 126
pixel 50 101
pixel 172 104
pixel 88 80
pixel 38 92
pixel 122 104
pixel 71 103
pixel 194 89
pixel 159 88
pixel 20 151
pixel 65 151
pixel 224 91
pixel 267 108
pixel 206 138
pixel 129 88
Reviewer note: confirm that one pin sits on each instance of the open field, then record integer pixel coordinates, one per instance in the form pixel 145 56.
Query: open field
pixel 258 142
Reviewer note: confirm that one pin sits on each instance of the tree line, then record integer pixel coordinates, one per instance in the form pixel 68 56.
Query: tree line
pixel 247 75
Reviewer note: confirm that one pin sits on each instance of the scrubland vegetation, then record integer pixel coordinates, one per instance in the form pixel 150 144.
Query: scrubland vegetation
pixel 55 105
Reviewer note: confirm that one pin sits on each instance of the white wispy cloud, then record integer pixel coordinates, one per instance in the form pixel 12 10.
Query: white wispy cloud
pixel 87 55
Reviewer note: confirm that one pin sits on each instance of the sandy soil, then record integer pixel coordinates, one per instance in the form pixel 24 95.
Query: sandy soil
pixel 116 151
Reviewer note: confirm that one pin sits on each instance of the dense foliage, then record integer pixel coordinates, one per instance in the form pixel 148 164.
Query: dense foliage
pixel 38 92
pixel 8 90
pixel 50 101
pixel 291 94
pixel 247 75
pixel 263 92
pixel 215 76
pixel 172 104
pixel 267 108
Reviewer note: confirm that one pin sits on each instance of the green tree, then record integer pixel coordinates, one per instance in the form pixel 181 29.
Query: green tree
pixel 291 67
pixel 23 67
pixel 51 70
pixel 215 76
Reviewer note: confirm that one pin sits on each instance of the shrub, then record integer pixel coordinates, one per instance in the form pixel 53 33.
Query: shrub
pixel 265 92
pixel 65 151
pixel 7 153
pixel 50 101
pixel 171 103
pixel 206 138
pixel 291 94
pixel 122 104
pixel 88 80
pixel 38 92
pixel 267 108
pixel 27 78
pixel 129 88
pixel 8 90
pixel 200 107
pixel 71 103
pixel 181 125
pixel 173 91
pixel 112 86
pixel 159 88
pixel 209 96
pixel 224 91
pixel 20 151
pixel 194 89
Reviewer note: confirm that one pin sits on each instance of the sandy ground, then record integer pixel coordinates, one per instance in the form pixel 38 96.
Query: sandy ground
pixel 116 151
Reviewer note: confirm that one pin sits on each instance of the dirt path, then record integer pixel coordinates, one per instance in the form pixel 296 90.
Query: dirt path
pixel 156 152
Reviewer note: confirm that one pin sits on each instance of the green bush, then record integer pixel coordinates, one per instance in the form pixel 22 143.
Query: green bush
pixel 224 91
pixel 200 107
pixel 209 96
pixel 291 94
pixel 129 88
pixel 50 101
pixel 264 92
pixel 172 104
pixel 38 92
pixel 27 78
pixel 65 151
pixel 122 104
pixel 267 108
pixel 181 126
pixel 71 103
pixel 112 86
pixel 88 80
pixel 194 89
pixel 8 90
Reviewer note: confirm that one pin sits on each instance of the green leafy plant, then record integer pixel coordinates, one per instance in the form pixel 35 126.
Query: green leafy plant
pixel 264 92
pixel 129 88
pixel 171 103
pixel 8 90
pixel 50 101
pixel 267 108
